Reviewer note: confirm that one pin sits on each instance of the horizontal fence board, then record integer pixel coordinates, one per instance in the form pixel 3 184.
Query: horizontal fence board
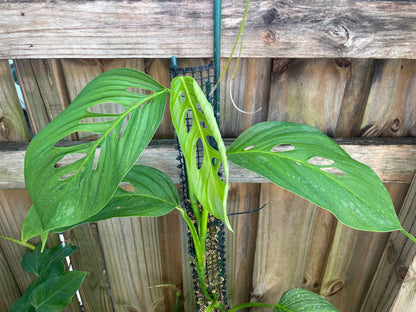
pixel 394 160
pixel 155 29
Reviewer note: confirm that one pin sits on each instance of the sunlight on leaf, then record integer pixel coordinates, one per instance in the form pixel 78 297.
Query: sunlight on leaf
pixel 296 300
pixel 65 195
pixel 306 162
pixel 204 177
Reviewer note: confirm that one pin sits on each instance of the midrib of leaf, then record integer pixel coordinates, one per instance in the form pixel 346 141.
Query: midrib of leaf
pixel 195 113
pixel 105 135
pixel 315 168
pixel 146 196
pixel 57 291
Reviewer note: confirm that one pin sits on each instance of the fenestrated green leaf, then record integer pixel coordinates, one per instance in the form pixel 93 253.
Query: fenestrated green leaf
pixel 301 300
pixel 68 195
pixel 306 162
pixel 154 195
pixel 56 292
pixel 204 181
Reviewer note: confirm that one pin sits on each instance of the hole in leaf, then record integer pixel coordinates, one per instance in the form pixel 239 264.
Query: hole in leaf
pixel 218 166
pixel 121 207
pixel 137 90
pixel 188 120
pixel 203 125
pixel 249 147
pixel 66 176
pixel 128 187
pixel 107 108
pixel 199 153
pixel 212 142
pixel 69 159
pixel 320 161
pixel 334 170
pixel 283 148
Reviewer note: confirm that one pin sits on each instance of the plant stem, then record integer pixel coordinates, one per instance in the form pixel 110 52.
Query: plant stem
pixel 194 204
pixel 200 259
pixel 240 32
pixel 250 305
pixel 21 243
pixel 409 235
pixel 203 231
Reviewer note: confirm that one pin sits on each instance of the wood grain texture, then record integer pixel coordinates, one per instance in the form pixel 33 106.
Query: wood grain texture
pixel 245 233
pixel 94 291
pixel 132 253
pixel 14 205
pixel 44 90
pixel 394 278
pixel 355 98
pixel 13 125
pixel 9 289
pixel 250 92
pixel 391 106
pixel 284 237
pixel 301 28
pixel 393 160
pixel 171 257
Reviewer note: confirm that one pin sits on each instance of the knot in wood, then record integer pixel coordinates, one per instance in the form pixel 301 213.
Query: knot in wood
pixel 269 37
pixel 390 253
pixel 395 125
pixel 4 130
pixel 335 288
pixel 338 32
pixel 402 272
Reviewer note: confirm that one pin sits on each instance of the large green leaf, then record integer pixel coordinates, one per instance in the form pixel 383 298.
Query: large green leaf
pixel 301 300
pixel 305 161
pixel 203 180
pixel 65 196
pixel 154 195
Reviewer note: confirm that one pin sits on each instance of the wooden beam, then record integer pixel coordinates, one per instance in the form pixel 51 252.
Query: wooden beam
pixel 394 160
pixel 160 29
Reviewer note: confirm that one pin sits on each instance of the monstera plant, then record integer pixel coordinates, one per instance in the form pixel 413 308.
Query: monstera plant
pixel 79 183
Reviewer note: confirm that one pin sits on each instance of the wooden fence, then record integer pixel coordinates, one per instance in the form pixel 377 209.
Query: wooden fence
pixel 345 67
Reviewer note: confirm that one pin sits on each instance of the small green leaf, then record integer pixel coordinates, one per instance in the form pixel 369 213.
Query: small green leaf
pixel 301 300
pixel 56 292
pixel 52 282
pixel 306 162
pixel 204 181
pixel 65 195
pixel 47 263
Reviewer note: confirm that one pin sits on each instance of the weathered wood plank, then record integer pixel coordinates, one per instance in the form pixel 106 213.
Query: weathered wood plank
pixel 13 125
pixel 394 160
pixel 389 290
pixel 14 205
pixel 132 254
pixel 157 29
pixel 250 92
pixel 9 289
pixel 391 106
pixel 245 232
pixel 284 236
pixel 94 291
pixel 44 90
